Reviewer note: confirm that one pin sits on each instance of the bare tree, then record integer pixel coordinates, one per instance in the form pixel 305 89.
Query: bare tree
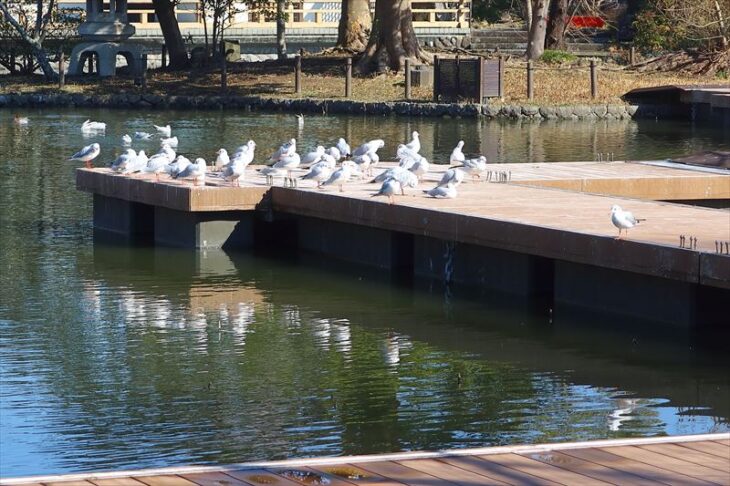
pixel 222 13
pixel 392 38
pixel 538 29
pixel 355 25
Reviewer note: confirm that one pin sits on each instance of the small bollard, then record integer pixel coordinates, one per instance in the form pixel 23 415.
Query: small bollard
pixel 348 78
pixel 632 56
pixel 163 63
pixel 298 74
pixel 407 68
pixel 61 71
pixel 594 80
pixel 530 86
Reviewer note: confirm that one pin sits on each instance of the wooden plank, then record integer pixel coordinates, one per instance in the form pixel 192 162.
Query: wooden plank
pixel 68 483
pixel 591 469
pixel 164 480
pixel 637 468
pixel 257 477
pixel 708 447
pixel 357 475
pixel 444 470
pixel 697 457
pixel 540 469
pixel 723 442
pixel 398 472
pixel 670 463
pixel 116 482
pixel 496 471
pixel 312 476
pixel 213 479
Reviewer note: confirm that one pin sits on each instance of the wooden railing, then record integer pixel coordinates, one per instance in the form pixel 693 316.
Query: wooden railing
pixel 305 15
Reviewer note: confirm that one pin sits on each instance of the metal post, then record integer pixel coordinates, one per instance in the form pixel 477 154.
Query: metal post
pixel 530 84
pixel 408 78
pixel 348 78
pixel 632 56
pixel 298 75
pixel 594 80
pixel 61 71
pixel 500 82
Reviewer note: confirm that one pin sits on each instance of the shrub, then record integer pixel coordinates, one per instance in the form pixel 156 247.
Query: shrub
pixel 557 57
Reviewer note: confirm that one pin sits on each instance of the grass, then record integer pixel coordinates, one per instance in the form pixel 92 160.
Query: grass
pixel 323 78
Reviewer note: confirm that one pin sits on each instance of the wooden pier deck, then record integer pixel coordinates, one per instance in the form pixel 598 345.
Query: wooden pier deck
pixel 682 461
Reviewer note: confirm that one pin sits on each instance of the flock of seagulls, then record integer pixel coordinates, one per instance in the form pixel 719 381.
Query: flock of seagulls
pixel 333 166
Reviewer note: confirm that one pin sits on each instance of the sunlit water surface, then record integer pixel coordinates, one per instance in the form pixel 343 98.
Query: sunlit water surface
pixel 114 357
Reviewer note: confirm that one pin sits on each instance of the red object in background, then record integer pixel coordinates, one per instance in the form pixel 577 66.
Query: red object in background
pixel 582 21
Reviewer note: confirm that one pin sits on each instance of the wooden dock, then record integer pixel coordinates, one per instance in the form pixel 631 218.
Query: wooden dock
pixel 682 461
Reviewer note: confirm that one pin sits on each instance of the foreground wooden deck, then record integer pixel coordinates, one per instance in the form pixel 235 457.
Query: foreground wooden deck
pixel 690 460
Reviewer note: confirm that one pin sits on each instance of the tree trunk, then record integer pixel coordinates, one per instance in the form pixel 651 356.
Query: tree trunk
pixel 528 14
pixel 281 28
pixel 165 11
pixel 536 38
pixel 35 45
pixel 557 25
pixel 392 39
pixel 355 25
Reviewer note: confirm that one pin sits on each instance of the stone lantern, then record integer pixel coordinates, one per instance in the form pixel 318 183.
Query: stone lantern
pixel 105 33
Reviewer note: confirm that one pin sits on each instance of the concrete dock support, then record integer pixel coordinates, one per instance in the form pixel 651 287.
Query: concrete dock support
pixel 222 229
pixel 129 220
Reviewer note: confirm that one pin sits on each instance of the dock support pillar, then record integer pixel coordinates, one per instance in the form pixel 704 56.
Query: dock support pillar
pixel 227 229
pixel 130 220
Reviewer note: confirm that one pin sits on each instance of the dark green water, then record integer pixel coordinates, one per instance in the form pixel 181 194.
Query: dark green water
pixel 114 357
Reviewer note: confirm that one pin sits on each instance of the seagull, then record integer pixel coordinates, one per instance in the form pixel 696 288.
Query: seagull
pixel 404 176
pixel 91 126
pixel 442 192
pixel 221 159
pixel 371 146
pixel 328 160
pixel 234 171
pixel 138 164
pixel 286 163
pixel 158 163
pixel 87 154
pixel 415 143
pixel 319 172
pixel 20 120
pixel 142 136
pixel 195 171
pixel 300 121
pixel 172 142
pixel 245 153
pixel 363 162
pixel 313 157
pixel 167 150
pixel 120 163
pixel 389 188
pixel 623 220
pixel 343 147
pixel 286 149
pixel 177 166
pixel 165 131
pixel 342 175
pixel 405 152
pixel 457 156
pixel 475 167
pixel 126 140
pixel 454 176
pixel 335 153
pixel 420 167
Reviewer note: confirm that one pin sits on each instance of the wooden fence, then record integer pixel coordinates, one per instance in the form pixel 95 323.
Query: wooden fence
pixel 303 15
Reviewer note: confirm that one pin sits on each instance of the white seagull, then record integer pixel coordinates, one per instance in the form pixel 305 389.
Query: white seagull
pixel 442 192
pixel 342 175
pixel 165 131
pixel 177 166
pixel 475 167
pixel 172 142
pixel 120 163
pixel 195 171
pixel 126 140
pixel 405 177
pixel 420 168
pixel 286 150
pixel 389 188
pixel 371 146
pixel 453 176
pixel 233 171
pixel 20 120
pixel 319 172
pixel 415 143
pixel 138 164
pixel 457 156
pixel 142 136
pixel 92 126
pixel 335 153
pixel 313 157
pixel 221 159
pixel 343 147
pixel 623 220
pixel 87 154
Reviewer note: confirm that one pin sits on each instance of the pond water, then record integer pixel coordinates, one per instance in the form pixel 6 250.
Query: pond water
pixel 114 357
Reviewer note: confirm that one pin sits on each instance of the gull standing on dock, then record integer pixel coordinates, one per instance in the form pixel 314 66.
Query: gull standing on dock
pixel 137 165
pixel 195 171
pixel 443 192
pixel 121 162
pixel 453 176
pixel 319 172
pixel 389 189
pixel 623 220
pixel 371 146
pixel 93 127
pixel 286 150
pixel 87 154
pixel 343 147
pixel 177 166
pixel 285 165
pixel 313 157
pixel 234 171
pixel 221 159
pixel 415 143
pixel 405 177
pixel 165 131
pixel 475 167
pixel 363 163
pixel 420 168
pixel 158 162
pixel 342 175
pixel 334 152
pixel 457 156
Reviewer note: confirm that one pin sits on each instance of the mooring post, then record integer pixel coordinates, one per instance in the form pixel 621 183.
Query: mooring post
pixel 348 78
pixel 632 56
pixel 298 74
pixel 500 80
pixel 61 71
pixel 163 63
pixel 530 84
pixel 594 80
pixel 408 78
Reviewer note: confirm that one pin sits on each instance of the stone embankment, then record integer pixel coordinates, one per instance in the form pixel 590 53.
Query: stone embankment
pixel 403 108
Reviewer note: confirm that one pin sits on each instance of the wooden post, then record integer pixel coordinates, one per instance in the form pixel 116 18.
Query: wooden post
pixel 298 74
pixel 530 83
pixel 436 80
pixel 91 63
pixel 594 80
pixel 224 73
pixel 458 77
pixel 12 61
pixel 500 81
pixel 61 71
pixel 408 78
pixel 348 78
pixel 632 56
pixel 144 71
pixel 164 56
